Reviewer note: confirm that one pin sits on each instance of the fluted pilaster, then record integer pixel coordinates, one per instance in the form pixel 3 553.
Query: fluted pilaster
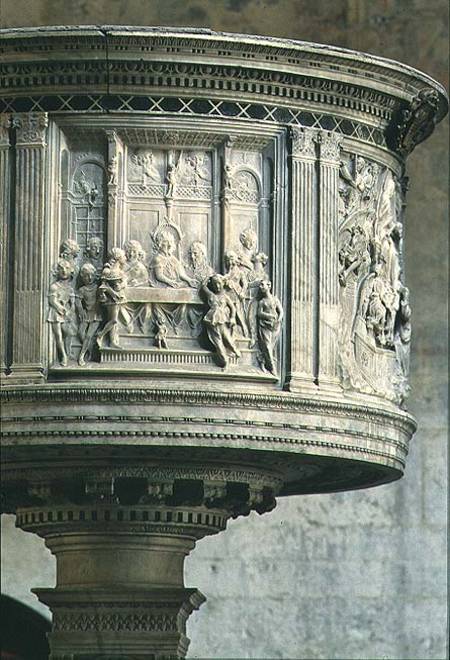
pixel 303 256
pixel 27 359
pixel 329 152
pixel 4 229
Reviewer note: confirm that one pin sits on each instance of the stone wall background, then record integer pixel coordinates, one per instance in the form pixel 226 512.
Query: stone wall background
pixel 352 575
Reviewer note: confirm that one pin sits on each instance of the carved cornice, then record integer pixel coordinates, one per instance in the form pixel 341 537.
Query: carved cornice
pixel 30 128
pixel 280 401
pixel 255 70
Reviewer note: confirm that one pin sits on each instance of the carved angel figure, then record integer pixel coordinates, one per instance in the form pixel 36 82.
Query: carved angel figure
pixel 220 319
pixel 88 311
pixel 60 300
pixel 136 271
pixel 196 169
pixel 269 316
pixel 166 268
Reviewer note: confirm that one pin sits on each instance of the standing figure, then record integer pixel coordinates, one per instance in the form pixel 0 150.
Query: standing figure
pixel 86 304
pixel 220 319
pixel 161 332
pixel 269 315
pixel 373 309
pixel 137 274
pixel 402 338
pixel 60 299
pixel 111 295
pixel 237 286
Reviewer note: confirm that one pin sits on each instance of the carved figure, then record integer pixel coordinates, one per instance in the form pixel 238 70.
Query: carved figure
pixel 249 242
pixel 269 316
pixel 197 170
pixel 136 271
pixel 86 188
pixel 354 255
pixel 237 285
pixel 374 310
pixel 112 171
pixel 94 253
pixel 227 180
pixel 61 299
pixel 88 311
pixel 402 338
pixel 166 268
pixel 259 274
pixel 220 319
pixel 172 178
pixel 111 295
pixel 69 250
pixel 201 269
pixel 162 331
pixel 149 171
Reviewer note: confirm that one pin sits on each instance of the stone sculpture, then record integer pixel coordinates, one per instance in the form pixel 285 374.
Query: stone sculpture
pixel 60 302
pixel 262 350
pixel 269 317
pixel 220 319
pixel 111 296
pixel 88 312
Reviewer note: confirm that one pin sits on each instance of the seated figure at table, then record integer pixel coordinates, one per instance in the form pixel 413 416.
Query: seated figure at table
pixel 201 268
pixel 137 274
pixel 166 269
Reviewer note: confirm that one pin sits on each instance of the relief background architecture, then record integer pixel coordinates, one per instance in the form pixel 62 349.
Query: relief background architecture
pixel 383 586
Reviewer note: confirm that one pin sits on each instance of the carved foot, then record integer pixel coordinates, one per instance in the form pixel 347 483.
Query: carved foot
pixel 81 361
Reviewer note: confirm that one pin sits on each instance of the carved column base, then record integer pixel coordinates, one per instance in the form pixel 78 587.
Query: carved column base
pixel 25 374
pixel 119 623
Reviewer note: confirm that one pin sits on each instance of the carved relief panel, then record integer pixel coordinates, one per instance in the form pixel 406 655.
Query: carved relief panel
pixel 188 283
pixel 375 325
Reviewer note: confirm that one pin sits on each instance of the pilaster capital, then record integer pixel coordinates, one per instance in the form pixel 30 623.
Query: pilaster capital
pixel 329 146
pixel 303 142
pixel 5 123
pixel 31 128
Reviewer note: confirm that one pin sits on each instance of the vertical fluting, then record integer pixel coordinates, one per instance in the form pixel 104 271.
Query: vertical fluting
pixel 28 245
pixel 303 256
pixel 328 261
pixel 4 233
